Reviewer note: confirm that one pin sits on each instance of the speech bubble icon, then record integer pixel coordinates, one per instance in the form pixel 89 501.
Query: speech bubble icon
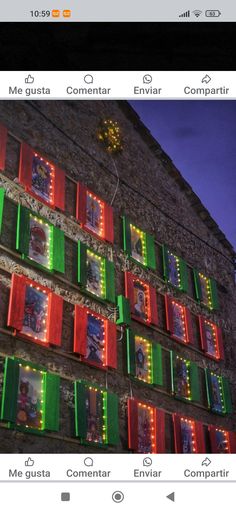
pixel 88 462
pixel 88 79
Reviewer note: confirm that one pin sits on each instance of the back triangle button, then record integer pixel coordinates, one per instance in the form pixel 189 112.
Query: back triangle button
pixel 171 496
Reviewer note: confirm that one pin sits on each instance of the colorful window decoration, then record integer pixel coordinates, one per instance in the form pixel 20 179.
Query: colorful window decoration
pixel 3 146
pixel 175 269
pixel 2 198
pixel 39 241
pixel 139 245
pixel 123 311
pixel 96 415
pixel 178 321
pixel 94 215
pixel 30 399
pixel 95 338
pixel 218 393
pixel 43 180
pixel 206 290
pixel 188 435
pixel 184 378
pixel 211 339
pixel 146 428
pixel 96 274
pixel 222 441
pixel 35 312
pixel 143 299
pixel 144 359
pixel 109 134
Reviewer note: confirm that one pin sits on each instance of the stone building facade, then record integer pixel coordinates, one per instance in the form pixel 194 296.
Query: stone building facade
pixel 142 183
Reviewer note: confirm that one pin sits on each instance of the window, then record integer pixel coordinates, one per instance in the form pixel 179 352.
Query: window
pixel 35 312
pixel 96 274
pixel 211 339
pixel 184 378
pixel 222 442
pixel 95 338
pixel 174 269
pixel 178 321
pixel 188 435
pixel 144 359
pixel 3 146
pixel 30 399
pixel 2 197
pixel 43 180
pixel 143 299
pixel 146 428
pixel 94 215
pixel 218 393
pixel 96 415
pixel 139 245
pixel 206 290
pixel 39 241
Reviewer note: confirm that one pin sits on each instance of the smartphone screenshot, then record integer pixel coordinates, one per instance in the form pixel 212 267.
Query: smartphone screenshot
pixel 117 255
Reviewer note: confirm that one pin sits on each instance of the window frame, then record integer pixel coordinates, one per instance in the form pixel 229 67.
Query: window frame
pixel 151 307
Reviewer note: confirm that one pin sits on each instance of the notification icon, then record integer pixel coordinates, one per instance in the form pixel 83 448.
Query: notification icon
pixel 66 13
pixel 56 13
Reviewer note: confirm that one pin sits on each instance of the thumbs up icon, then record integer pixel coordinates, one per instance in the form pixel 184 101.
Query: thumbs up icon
pixel 29 462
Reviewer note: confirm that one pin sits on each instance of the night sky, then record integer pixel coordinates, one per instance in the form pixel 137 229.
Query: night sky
pixel 200 138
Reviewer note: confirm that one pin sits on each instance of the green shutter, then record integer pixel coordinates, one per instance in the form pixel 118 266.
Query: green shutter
pixel 183 275
pixel 197 284
pixel 110 281
pixel 112 418
pixel 131 359
pixel 58 249
pixel 51 401
pixel 227 395
pixel 23 230
pixel 165 262
pixel 10 390
pixel 157 369
pixel 2 195
pixel 80 410
pixel 124 310
pixel 194 382
pixel 209 387
pixel 172 370
pixel 214 294
pixel 82 263
pixel 150 250
pixel 126 235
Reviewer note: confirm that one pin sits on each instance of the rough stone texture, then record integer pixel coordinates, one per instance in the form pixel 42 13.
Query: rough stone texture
pixel 153 194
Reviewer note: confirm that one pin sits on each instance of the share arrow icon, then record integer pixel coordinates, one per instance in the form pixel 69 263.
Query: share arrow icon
pixel 171 496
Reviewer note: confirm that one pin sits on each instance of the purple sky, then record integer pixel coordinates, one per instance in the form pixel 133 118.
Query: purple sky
pixel 200 138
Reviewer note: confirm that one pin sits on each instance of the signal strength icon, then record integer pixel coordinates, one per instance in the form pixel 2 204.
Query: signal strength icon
pixel 185 14
pixel 197 13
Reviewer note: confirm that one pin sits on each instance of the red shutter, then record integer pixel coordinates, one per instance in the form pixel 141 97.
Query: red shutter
pixel 133 424
pixel 153 306
pixel 220 342
pixel 111 344
pixel 177 434
pixel 3 146
pixel 212 435
pixel 202 333
pixel 108 223
pixel 232 442
pixel 59 189
pixel 169 314
pixel 26 162
pixel 80 330
pixel 200 440
pixel 129 289
pixel 188 325
pixel 16 302
pixel 55 314
pixel 81 203
pixel 160 431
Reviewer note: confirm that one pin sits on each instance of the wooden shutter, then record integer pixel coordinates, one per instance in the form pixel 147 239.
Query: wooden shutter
pixel 133 424
pixel 23 230
pixel 110 281
pixel 112 418
pixel 159 420
pixel 232 442
pixel 10 390
pixel 172 370
pixel 111 344
pixel 58 249
pixel 177 434
pixel 213 442
pixel 169 314
pixel 129 289
pixel 16 302
pixel 227 395
pixel 80 410
pixel 124 310
pixel 80 330
pixel 81 203
pixel 150 249
pixel 26 163
pixel 82 264
pixel 209 387
pixel 157 369
pixel 55 315
pixel 194 382
pixel 200 440
pixel 3 146
pixel 197 283
pixel 220 342
pixel 51 401
pixel 183 275
pixel 165 261
pixel 108 223
pixel 188 325
pixel 131 358
pixel 202 333
pixel 2 197
pixel 59 189
pixel 126 235
pixel 214 294
pixel 153 306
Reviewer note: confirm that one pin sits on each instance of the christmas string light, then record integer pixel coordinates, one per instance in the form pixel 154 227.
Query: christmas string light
pixel 101 292
pixel 52 177
pixel 214 336
pixel 45 316
pixel 205 281
pixel 177 262
pixel 226 438
pixel 187 364
pixel 100 203
pixel 183 319
pixel 219 381
pixel 150 411
pixel 141 235
pixel 147 347
pixel 49 247
pixel 42 392
pixel 193 434
pixel 109 134
pixel 103 340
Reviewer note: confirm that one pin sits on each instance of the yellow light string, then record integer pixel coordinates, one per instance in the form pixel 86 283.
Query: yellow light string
pixel 101 216
pixel 181 308
pixel 142 236
pixel 52 177
pixel 109 134
pixel 187 363
pixel 150 410
pixel 208 289
pixel 101 261
pixel 177 260
pixel 104 340
pixel 192 426
pixel 148 353
pixel 48 242
pixel 226 438
pixel 213 330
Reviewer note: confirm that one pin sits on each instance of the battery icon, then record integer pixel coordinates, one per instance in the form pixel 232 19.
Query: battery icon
pixel 211 13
